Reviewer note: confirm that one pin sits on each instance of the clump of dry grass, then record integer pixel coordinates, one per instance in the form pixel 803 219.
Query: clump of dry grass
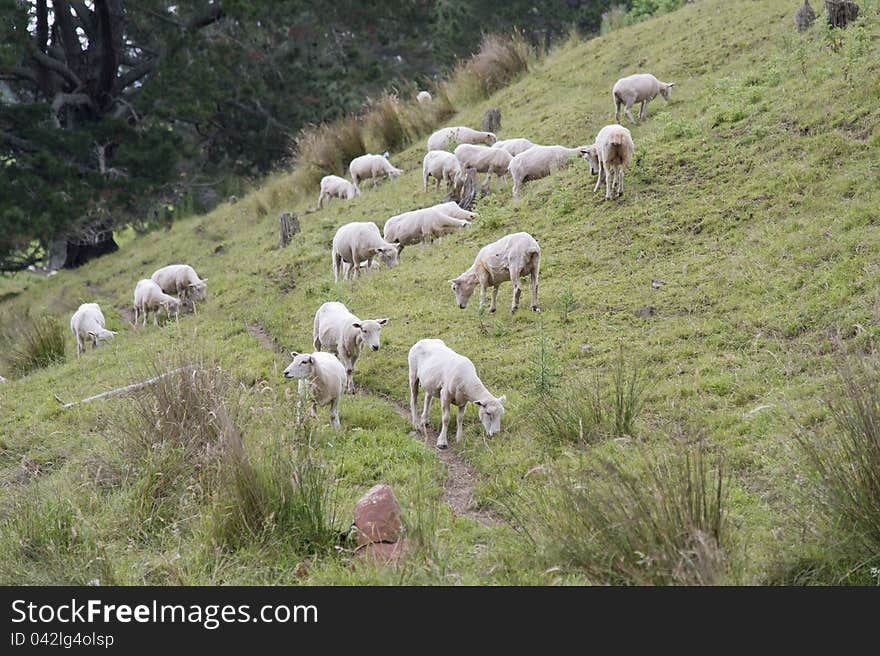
pixel 28 343
pixel 497 63
pixel 327 149
pixel 384 124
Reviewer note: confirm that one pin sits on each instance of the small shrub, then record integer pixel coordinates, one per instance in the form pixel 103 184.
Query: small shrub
pixel 544 363
pixel 628 395
pixel 568 304
pixel 658 520
pixel 28 344
pixel 847 462
pixel 384 124
pixel 613 19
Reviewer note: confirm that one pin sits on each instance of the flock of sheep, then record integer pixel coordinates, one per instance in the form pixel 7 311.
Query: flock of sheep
pixel 339 336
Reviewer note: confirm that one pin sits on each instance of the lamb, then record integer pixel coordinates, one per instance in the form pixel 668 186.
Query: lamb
pixel 373 167
pixel 149 297
pixel 514 146
pixel 424 97
pixel 344 335
pixel 510 258
pixel 354 243
pixel 448 138
pixel 538 162
pixel 441 165
pixel 484 160
pixel 639 88
pixel 88 325
pixel 181 279
pixel 453 378
pixel 323 375
pixel 611 155
pixel 421 225
pixel 332 186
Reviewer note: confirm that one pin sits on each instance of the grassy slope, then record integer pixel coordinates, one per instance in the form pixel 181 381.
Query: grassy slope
pixel 754 196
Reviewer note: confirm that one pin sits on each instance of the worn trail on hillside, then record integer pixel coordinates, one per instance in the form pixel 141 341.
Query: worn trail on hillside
pixel 461 478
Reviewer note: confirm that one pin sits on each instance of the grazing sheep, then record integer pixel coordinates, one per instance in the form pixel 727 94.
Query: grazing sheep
pixel 483 159
pixel 88 325
pixel 611 155
pixel 149 297
pixel 324 377
pixel 510 258
pixel 3 380
pixel 344 335
pixel 421 225
pixel 441 165
pixel 453 378
pixel 424 97
pixel 639 88
pixel 538 162
pixel 354 243
pixel 448 138
pixel 514 146
pixel 332 186
pixel 373 167
pixel 453 209
pixel 181 279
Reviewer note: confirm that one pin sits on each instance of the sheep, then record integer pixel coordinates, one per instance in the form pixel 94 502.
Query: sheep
pixel 372 167
pixel 539 162
pixel 149 297
pixel 448 138
pixel 441 165
pixel 344 335
pixel 484 160
pixel 3 380
pixel 354 243
pixel 453 378
pixel 332 186
pixel 453 209
pixel 424 97
pixel 181 279
pixel 324 377
pixel 514 146
pixel 611 155
pixel 87 325
pixel 639 88
pixel 421 225
pixel 510 258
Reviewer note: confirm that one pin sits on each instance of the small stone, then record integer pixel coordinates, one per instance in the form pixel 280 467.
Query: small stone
pixel 378 516
pixel 585 348
pixel 646 312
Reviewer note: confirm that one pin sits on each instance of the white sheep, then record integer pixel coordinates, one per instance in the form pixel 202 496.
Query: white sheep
pixel 538 162
pixel 453 209
pixel 453 379
pixel 514 146
pixel 424 97
pixel 340 332
pixel 611 155
pixel 354 243
pixel 421 225
pixel 638 88
pixel 149 297
pixel 181 279
pixel 441 165
pixel 332 186
pixel 510 258
pixel 448 138
pixel 373 167
pixel 3 380
pixel 323 375
pixel 88 325
pixel 483 159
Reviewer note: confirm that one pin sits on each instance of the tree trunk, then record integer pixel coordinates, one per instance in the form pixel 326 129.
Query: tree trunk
pixel 841 12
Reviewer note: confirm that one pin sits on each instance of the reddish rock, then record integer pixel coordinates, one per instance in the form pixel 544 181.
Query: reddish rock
pixel 383 552
pixel 377 516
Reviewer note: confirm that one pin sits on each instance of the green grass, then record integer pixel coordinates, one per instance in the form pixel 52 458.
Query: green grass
pixel 754 195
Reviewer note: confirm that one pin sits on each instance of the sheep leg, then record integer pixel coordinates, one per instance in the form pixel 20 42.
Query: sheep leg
pixel 643 112
pixel 337 265
pixel 459 422
pixel 425 409
pixel 79 346
pixel 334 413
pixel 626 110
pixel 620 171
pixel 413 397
pixel 321 200
pixel 599 179
pixel 608 180
pixel 494 298
pixel 517 289
pixel 534 288
pixel 445 403
pixel 617 106
pixel 155 317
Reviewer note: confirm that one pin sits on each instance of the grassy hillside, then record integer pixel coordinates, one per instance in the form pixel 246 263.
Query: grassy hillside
pixel 754 197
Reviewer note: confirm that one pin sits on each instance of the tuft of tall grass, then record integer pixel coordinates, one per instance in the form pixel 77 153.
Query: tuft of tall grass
pixel 659 519
pixel 613 19
pixel 28 344
pixel 285 494
pixel 498 62
pixel 384 124
pixel 327 149
pixel 847 462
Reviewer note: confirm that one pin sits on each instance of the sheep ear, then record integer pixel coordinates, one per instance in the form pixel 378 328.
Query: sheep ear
pixel 399 247
pixel 92 334
pixel 502 398
pixel 293 354
pixel 309 360
pixel 382 322
pixel 357 325
pixel 672 84
pixel 479 403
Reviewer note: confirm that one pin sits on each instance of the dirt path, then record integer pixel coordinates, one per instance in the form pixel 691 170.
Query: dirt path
pixel 461 478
